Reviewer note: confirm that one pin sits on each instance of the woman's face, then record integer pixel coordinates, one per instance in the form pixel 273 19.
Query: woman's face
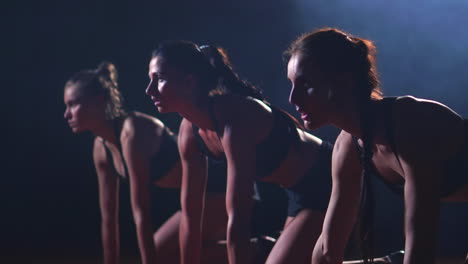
pixel 81 111
pixel 168 88
pixel 311 93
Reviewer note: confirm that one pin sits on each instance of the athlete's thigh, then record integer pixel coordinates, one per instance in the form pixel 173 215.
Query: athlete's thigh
pixel 166 238
pixel 298 239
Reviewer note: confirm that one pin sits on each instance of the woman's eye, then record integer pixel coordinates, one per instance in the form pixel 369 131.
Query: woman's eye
pixel 309 88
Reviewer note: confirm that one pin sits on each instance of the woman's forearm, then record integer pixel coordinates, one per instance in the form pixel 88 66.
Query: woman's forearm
pixel 420 241
pixel 110 241
pixel 421 220
pixel 238 244
pixel 145 239
pixel 190 240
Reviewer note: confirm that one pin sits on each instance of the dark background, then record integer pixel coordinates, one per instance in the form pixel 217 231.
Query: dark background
pixel 49 190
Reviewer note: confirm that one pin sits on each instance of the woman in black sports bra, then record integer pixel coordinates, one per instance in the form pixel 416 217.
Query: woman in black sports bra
pixel 417 146
pixel 134 148
pixel 227 120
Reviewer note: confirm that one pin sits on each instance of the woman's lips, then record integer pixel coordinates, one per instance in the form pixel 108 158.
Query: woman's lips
pixel 305 116
pixel 155 101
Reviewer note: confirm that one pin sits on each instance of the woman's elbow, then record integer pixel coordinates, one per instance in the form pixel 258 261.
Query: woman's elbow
pixel 237 230
pixel 140 217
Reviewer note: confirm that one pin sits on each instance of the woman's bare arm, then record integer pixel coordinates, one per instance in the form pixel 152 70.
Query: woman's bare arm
pixel 240 151
pixel 344 203
pixel 194 175
pixel 421 213
pixel 109 203
pixel 136 154
pixel 424 143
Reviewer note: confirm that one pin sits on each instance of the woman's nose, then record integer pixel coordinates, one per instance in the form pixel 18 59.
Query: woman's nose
pixel 293 96
pixel 150 89
pixel 66 114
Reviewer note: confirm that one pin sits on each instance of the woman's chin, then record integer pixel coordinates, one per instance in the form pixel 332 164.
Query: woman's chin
pixel 76 130
pixel 311 125
pixel 162 109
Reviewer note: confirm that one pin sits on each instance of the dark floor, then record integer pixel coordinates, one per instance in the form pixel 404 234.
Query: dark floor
pixel 124 260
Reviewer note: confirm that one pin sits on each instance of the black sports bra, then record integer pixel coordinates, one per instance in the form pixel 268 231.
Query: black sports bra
pixel 160 163
pixel 456 168
pixel 271 152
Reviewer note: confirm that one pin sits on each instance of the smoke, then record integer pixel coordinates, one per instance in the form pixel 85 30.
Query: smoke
pixel 421 45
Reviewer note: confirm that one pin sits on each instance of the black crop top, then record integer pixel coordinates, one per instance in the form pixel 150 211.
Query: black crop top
pixel 160 163
pixel 271 152
pixel 456 168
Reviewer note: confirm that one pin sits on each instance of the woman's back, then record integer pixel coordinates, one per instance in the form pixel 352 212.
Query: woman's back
pixel 421 131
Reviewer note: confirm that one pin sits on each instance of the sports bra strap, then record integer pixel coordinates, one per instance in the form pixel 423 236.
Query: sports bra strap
pixel 115 126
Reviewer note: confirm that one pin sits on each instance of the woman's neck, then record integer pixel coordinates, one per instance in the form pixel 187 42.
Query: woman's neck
pixel 198 113
pixel 106 130
pixel 350 116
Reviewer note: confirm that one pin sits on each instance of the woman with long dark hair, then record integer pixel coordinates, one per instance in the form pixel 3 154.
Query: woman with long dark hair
pixel 138 149
pixel 227 120
pixel 418 147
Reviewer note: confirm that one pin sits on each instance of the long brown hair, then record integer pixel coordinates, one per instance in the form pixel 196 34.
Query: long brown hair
pixel 209 63
pixel 229 80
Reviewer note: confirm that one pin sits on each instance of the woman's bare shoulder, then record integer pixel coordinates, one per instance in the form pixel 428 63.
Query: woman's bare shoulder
pixel 425 126
pixel 345 156
pixel 138 120
pixel 99 152
pixel 142 131
pixel 236 108
pixel 413 107
pixel 344 143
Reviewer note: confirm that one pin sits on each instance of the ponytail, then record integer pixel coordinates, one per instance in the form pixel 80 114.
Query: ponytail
pixel 102 81
pixel 108 77
pixel 228 80
pixel 107 73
